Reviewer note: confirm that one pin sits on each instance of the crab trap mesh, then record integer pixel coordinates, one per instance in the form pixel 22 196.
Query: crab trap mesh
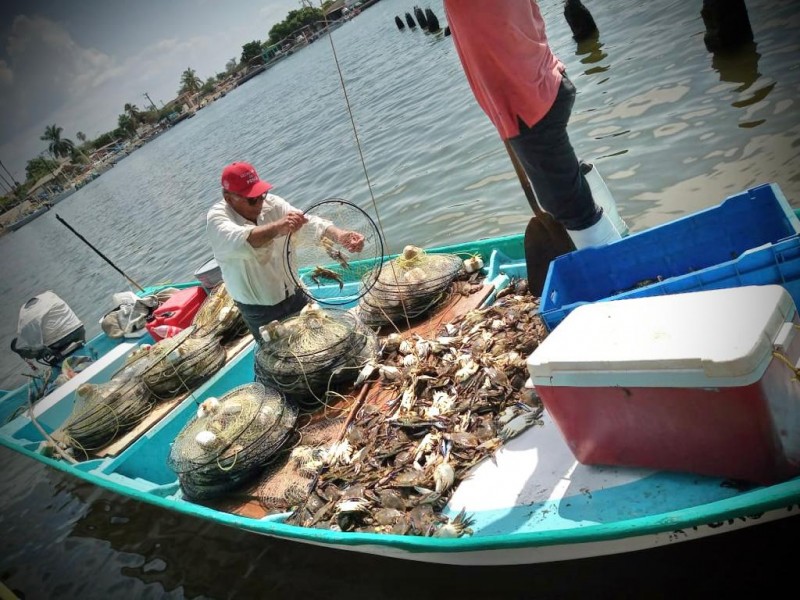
pixel 175 365
pixel 287 481
pixel 408 287
pixel 218 316
pixel 325 269
pixel 103 412
pixel 307 355
pixel 231 439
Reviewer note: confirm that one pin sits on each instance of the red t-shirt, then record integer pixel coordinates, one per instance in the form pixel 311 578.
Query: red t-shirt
pixel 509 65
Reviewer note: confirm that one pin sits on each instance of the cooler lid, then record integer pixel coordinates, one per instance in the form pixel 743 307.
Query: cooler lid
pixel 697 339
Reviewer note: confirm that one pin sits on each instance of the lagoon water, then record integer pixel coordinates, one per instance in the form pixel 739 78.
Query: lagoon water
pixel 672 128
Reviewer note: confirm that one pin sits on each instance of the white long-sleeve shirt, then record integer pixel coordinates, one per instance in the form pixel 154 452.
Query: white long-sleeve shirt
pixel 252 275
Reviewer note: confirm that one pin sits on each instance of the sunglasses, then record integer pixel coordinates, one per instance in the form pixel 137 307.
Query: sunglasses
pixel 254 201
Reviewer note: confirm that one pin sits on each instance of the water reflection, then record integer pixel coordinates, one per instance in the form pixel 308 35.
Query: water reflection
pixel 739 66
pixel 591 51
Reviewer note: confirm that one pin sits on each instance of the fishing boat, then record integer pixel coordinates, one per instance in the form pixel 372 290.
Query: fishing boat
pixel 530 501
pixel 27 218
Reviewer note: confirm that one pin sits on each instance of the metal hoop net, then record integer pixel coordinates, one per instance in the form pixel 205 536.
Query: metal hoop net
pixel 231 439
pixel 219 316
pixel 308 355
pixel 103 412
pixel 323 269
pixel 409 286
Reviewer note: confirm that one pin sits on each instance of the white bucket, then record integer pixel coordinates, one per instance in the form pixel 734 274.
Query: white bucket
pixel 602 197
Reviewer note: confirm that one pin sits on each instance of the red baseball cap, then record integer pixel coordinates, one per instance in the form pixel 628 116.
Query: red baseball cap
pixel 241 178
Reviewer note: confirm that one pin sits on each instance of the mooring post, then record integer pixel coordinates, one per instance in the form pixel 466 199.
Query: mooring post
pixel 727 24
pixel 420 17
pixel 399 22
pixel 410 21
pixel 433 21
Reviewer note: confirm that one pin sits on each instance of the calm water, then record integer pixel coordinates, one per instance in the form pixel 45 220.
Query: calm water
pixel 671 127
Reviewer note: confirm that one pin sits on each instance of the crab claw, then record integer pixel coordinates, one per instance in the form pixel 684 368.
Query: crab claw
pixel 517 425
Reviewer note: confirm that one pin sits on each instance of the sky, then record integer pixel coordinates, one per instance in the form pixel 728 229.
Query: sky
pixel 76 63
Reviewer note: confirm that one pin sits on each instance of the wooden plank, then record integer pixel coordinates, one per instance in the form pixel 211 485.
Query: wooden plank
pixel 459 303
pixel 164 407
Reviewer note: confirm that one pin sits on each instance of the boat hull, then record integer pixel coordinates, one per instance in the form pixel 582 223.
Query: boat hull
pixel 544 508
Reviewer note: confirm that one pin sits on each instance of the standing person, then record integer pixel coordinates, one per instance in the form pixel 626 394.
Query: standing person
pixel 246 228
pixel 524 90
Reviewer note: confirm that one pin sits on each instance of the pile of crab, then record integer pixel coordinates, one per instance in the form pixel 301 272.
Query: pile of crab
pixel 447 403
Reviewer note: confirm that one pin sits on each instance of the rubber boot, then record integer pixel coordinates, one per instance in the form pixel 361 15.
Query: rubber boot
pixel 602 196
pixel 599 234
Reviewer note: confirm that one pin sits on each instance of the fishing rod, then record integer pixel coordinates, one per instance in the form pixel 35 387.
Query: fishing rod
pixel 100 254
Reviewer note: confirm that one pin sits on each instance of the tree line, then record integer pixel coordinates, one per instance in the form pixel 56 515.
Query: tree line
pixel 132 117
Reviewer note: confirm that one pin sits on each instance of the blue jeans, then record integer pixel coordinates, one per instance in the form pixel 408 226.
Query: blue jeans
pixel 546 154
pixel 257 315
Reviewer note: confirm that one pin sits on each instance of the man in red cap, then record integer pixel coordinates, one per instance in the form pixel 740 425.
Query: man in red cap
pixel 243 227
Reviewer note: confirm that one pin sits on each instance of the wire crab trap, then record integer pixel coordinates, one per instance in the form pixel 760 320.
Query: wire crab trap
pixel 307 355
pixel 176 364
pixel 231 439
pixel 326 270
pixel 219 316
pixel 409 286
pixel 103 412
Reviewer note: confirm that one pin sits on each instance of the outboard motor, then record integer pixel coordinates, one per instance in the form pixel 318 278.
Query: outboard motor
pixel 48 330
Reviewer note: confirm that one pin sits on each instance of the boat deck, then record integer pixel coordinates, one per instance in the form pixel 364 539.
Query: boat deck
pixel 330 424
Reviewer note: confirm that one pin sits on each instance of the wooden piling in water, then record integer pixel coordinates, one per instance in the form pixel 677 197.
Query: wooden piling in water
pixel 727 24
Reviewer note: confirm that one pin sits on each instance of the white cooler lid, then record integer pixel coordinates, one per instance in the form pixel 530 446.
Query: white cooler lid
pixel 708 338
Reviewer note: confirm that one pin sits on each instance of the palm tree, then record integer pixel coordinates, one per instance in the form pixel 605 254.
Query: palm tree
pixel 126 125
pixel 58 146
pixel 190 82
pixel 133 112
pixel 81 136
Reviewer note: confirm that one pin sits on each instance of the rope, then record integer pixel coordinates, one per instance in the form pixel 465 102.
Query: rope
pixel 788 363
pixel 358 145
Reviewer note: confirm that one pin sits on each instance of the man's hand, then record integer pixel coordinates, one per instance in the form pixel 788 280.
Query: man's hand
pixel 352 241
pixel 291 222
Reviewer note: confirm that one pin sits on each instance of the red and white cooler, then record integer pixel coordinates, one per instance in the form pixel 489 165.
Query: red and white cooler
pixel 703 382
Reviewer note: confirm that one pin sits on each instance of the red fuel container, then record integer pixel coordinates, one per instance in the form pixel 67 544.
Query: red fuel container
pixel 702 382
pixel 178 311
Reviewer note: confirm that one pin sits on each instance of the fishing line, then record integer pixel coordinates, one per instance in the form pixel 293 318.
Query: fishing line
pixel 360 151
pixel 353 124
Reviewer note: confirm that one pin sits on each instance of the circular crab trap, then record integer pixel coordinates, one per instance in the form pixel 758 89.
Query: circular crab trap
pixel 219 316
pixel 307 355
pixel 231 439
pixel 409 286
pixel 325 269
pixel 178 364
pixel 103 412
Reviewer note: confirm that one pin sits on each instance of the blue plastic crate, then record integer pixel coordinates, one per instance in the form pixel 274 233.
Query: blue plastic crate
pixel 738 242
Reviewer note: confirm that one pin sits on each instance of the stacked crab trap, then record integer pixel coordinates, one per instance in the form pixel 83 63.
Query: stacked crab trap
pixel 231 439
pixel 177 364
pixel 308 355
pixel 102 412
pixel 218 316
pixel 408 287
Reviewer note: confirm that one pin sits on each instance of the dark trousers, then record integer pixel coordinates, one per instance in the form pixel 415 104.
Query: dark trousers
pixel 549 160
pixel 257 315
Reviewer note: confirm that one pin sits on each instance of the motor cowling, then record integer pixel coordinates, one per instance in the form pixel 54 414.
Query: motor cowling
pixel 47 329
